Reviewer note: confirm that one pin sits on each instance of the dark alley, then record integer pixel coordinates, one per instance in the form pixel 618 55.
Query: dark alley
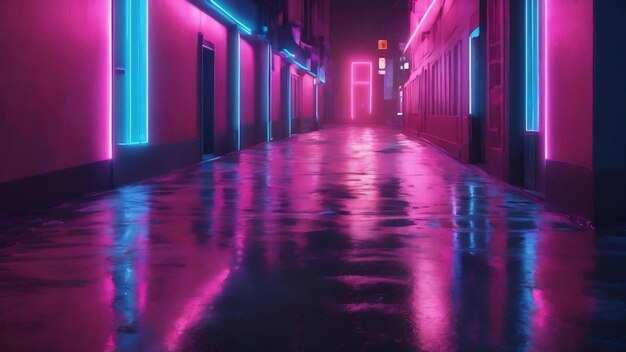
pixel 347 239
pixel 312 175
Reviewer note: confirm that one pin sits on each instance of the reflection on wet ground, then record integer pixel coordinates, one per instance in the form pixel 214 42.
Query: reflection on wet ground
pixel 347 239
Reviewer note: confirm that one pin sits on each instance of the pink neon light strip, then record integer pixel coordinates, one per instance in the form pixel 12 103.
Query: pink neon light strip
pixel 419 25
pixel 546 96
pixel 353 83
pixel 110 83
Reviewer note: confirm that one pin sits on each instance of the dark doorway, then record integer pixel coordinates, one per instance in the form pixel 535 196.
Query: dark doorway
pixel 207 99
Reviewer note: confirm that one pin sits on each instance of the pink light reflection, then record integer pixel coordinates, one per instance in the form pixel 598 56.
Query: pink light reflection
pixel 193 311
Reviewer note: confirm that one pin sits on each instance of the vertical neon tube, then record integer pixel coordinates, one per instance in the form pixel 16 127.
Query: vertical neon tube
pixel 371 87
pixel 147 71
pixel 110 87
pixel 546 81
pixel 135 121
pixel 238 95
pixel 269 93
pixel 475 34
pixel 531 81
pixel 352 91
pixel 317 101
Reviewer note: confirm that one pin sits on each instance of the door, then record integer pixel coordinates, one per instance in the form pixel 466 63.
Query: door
pixel 296 102
pixel 495 133
pixel 361 91
pixel 207 99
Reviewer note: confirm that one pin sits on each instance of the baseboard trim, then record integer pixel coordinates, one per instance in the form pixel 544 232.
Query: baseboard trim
pixel 54 187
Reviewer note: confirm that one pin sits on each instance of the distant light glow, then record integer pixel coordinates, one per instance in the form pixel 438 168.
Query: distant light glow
pixel 354 82
pixel 406 65
pixel 382 44
pixel 546 81
pixel 317 101
pixel 224 12
pixel 419 25
pixel 381 72
pixel 475 34
pixel 382 64
pixel 532 78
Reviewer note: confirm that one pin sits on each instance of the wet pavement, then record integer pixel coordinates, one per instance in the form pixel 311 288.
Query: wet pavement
pixel 347 239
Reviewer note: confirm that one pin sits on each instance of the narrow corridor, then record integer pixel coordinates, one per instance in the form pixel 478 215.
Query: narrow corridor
pixel 345 239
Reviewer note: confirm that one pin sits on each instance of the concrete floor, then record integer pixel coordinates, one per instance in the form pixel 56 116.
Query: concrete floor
pixel 348 239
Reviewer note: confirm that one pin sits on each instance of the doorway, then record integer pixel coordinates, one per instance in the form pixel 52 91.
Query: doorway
pixel 207 99
pixel 361 91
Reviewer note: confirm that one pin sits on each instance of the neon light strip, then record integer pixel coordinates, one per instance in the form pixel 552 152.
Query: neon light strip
pixel 238 96
pixel 147 88
pixel 292 58
pixel 352 91
pixel 135 122
pixel 317 101
pixel 371 84
pixel 531 82
pixel 354 83
pixel 546 82
pixel 234 19
pixel 475 33
pixel 408 43
pixel 269 93
pixel 110 87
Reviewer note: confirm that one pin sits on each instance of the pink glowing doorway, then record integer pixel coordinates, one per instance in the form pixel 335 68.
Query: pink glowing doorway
pixel 360 90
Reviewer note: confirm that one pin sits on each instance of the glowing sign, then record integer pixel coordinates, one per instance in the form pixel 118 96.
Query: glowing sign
pixel 382 44
pixel 354 83
pixel 419 25
pixel 382 63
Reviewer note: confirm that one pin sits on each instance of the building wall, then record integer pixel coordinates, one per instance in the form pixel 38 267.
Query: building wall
pixel 569 165
pixel 174 69
pixel 571 82
pixel 436 103
pixel 277 98
pixel 55 93
pixel 250 110
pixel 55 86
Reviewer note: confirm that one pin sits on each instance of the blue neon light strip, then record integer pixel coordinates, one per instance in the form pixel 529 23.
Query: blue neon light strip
pixel 475 34
pixel 222 10
pixel 532 75
pixel 292 58
pixel 136 112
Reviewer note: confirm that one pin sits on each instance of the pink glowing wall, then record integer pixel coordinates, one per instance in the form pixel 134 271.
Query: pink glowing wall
pixel 174 28
pixel 308 102
pixel 570 70
pixel 442 117
pixel 276 108
pixel 249 106
pixel 54 90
